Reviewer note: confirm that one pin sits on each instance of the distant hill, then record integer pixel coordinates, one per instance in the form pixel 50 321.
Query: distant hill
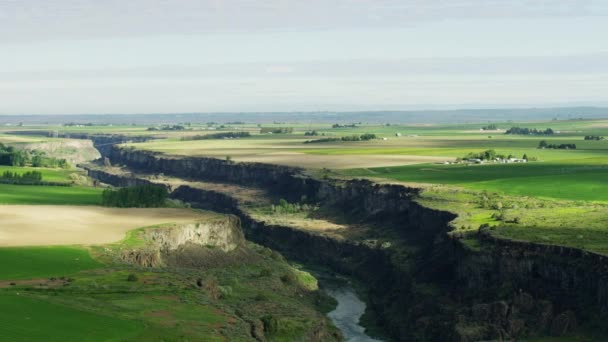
pixel 413 116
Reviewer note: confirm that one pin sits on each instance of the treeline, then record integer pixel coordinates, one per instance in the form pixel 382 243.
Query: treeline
pixel 12 157
pixel 276 130
pixel 593 137
pixel 363 137
pixel 23 178
pixel 490 127
pixel 344 126
pixel 529 131
pixel 489 155
pixel 168 128
pixel 141 196
pixel 226 135
pixel 543 144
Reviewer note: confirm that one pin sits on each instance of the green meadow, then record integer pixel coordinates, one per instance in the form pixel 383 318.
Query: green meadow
pixel 573 181
pixel 48 175
pixel 43 262
pixel 50 195
pixel 29 319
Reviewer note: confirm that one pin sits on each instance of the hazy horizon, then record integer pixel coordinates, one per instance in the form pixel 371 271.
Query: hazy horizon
pixel 281 56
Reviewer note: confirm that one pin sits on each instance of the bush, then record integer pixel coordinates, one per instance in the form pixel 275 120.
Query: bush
pixel 271 324
pixel 132 277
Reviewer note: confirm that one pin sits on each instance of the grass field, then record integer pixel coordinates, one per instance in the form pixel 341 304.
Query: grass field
pixel 48 175
pixel 550 180
pixel 28 319
pixel 56 195
pixel 43 262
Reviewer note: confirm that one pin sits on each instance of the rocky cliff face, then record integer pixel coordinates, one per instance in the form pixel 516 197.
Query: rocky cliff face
pixel 438 289
pixel 162 243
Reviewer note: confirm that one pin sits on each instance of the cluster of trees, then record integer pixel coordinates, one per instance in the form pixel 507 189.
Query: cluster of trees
pixel 529 131
pixel 486 155
pixel 73 124
pixel 492 155
pixel 168 128
pixel 13 157
pixel 29 177
pixel 226 135
pixel 593 137
pixel 276 130
pixel 311 133
pixel 285 207
pixel 343 126
pixel 543 144
pixel 490 127
pixel 141 196
pixel 363 137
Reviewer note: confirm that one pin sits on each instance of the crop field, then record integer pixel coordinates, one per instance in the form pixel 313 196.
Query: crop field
pixel 29 319
pixel 416 144
pixel 42 262
pixel 49 195
pixel 26 225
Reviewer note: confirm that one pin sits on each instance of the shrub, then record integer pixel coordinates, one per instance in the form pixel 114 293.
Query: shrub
pixel 132 277
pixel 271 324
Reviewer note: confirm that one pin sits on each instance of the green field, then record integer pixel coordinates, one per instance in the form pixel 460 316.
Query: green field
pixel 33 194
pixel 42 262
pixel 48 175
pixel 28 319
pixel 545 180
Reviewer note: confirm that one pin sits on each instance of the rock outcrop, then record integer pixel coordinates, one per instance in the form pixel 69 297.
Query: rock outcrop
pixel 160 244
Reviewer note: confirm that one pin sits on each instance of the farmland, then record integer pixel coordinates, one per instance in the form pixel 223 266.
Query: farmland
pixel 558 197
pixel 69 225
pixel 568 181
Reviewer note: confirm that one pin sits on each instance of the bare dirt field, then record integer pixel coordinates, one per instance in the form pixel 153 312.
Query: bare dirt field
pixel 339 161
pixel 39 225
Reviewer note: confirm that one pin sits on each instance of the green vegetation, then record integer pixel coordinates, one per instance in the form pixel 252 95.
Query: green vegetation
pixel 50 175
pixel 141 196
pixel 362 137
pixel 168 128
pixel 543 144
pixel 226 135
pixel 14 157
pixel 43 262
pixel 27 177
pixel 217 302
pixel 55 195
pixel 276 130
pixel 28 319
pixel 528 131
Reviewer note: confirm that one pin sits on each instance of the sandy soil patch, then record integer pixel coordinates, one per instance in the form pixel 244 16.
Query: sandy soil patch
pixel 41 225
pixel 340 161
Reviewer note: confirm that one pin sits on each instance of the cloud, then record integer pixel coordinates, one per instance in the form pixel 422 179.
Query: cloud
pixel 32 20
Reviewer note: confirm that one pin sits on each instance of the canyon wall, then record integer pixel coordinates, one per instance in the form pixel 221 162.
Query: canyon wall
pixel 436 290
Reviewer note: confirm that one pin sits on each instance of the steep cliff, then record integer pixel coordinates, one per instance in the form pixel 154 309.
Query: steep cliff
pixel 159 246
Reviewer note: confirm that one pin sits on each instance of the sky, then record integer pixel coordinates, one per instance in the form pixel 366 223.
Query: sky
pixel 162 56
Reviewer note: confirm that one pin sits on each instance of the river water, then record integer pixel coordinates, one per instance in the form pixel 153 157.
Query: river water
pixel 348 312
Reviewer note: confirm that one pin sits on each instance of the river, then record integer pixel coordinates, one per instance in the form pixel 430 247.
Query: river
pixel 348 312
